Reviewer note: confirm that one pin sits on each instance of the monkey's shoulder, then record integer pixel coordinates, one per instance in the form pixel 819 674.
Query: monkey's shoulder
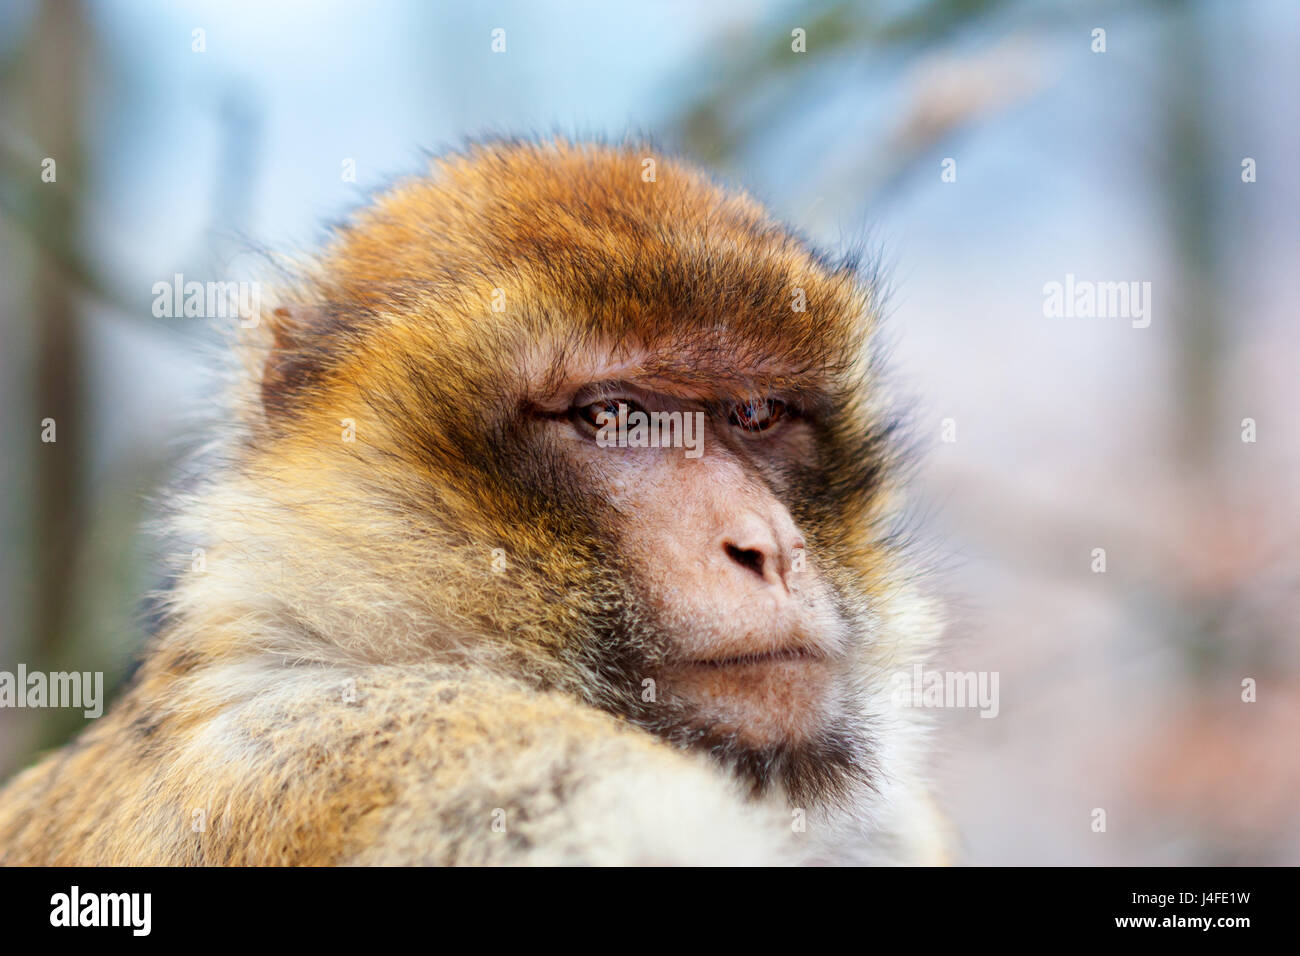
pixel 466 765
pixel 250 764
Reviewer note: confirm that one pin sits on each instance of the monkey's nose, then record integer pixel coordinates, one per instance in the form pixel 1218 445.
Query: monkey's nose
pixel 754 547
pixel 751 558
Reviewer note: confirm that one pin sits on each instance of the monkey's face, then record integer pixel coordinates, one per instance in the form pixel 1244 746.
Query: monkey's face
pixel 651 403
pixel 692 487
pixel 737 619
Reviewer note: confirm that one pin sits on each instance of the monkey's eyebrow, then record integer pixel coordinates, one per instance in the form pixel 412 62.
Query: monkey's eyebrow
pixel 608 388
pixel 685 389
pixel 656 396
pixel 561 401
pixel 706 376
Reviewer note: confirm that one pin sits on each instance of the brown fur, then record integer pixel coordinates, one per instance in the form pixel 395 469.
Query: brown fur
pixel 349 680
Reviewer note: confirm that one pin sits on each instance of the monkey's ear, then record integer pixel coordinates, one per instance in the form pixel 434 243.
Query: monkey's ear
pixel 289 360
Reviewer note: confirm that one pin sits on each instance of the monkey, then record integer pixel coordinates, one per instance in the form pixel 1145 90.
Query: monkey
pixel 444 618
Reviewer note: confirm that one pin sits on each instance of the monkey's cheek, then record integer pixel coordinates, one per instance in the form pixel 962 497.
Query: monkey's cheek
pixel 764 703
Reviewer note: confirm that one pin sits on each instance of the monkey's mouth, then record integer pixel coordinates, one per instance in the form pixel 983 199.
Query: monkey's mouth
pixel 765 657
pixel 765 698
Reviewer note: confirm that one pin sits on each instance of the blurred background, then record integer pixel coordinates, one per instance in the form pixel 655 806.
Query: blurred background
pixel 184 151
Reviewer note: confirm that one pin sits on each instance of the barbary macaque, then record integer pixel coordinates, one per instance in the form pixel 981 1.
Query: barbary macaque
pixel 555 527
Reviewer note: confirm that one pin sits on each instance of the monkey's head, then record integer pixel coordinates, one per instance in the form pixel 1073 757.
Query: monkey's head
pixel 582 411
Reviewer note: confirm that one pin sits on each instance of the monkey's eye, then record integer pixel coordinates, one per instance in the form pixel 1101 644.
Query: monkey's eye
pixel 757 415
pixel 592 414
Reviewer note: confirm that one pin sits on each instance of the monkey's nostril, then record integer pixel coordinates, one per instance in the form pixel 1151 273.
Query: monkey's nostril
pixel 747 558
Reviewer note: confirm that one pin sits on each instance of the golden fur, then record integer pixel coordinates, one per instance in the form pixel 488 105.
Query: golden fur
pixel 350 678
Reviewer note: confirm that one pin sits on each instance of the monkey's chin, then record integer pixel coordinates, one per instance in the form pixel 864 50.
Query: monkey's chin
pixel 760 702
